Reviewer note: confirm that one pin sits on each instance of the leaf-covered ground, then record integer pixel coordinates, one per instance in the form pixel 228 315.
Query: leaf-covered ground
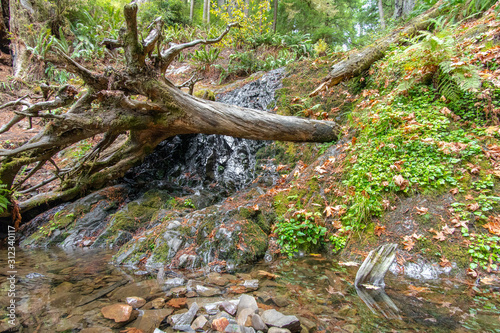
pixel 419 162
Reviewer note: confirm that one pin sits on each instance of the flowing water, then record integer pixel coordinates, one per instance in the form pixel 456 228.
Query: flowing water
pixel 52 287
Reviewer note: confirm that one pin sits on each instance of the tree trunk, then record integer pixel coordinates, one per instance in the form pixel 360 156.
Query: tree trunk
pixel 131 127
pixel 191 10
pixel 247 8
pixel 21 14
pixel 402 8
pixel 357 63
pixel 275 15
pixel 381 14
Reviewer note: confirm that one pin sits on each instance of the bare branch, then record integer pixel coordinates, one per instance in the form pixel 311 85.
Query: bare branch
pixel 169 55
pixel 96 81
pixel 190 83
pixel 153 37
pixel 31 173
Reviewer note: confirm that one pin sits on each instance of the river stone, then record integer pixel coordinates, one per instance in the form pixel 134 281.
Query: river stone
pixel 179 291
pixel 278 330
pixel 207 291
pixel 182 322
pixel 308 324
pixel 258 324
pixel 235 328
pixel 199 323
pixel 135 302
pixel 118 312
pixel 247 301
pixel 243 315
pixel 178 303
pixel 251 284
pixel 281 301
pixel 220 324
pixel 151 319
pixel 274 318
pixel 217 279
pixel 158 303
pixel 174 282
pixel 229 307
pixel 63 288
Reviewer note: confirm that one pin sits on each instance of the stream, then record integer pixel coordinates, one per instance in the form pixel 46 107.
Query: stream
pixel 51 287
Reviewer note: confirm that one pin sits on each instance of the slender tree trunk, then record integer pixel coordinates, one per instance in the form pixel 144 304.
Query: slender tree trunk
pixel 402 8
pixel 247 8
pixel 275 16
pixel 21 14
pixel 381 14
pixel 191 10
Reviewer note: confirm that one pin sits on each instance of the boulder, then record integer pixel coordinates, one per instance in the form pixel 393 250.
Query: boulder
pixel 118 312
pixel 247 302
pixel 274 318
pixel 135 302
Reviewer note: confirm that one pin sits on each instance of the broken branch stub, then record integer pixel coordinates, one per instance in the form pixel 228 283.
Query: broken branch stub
pixel 375 266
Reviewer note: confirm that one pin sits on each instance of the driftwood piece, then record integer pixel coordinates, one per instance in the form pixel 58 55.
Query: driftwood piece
pixel 375 266
pixel 357 63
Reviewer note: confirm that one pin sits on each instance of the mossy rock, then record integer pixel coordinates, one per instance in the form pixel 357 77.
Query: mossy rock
pixel 205 94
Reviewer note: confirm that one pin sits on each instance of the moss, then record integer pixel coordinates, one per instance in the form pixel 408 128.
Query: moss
pixel 160 253
pixel 205 94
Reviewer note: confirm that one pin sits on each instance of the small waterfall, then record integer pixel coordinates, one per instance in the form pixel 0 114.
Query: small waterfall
pixel 221 164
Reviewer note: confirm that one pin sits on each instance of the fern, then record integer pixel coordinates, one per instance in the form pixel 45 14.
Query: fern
pixel 4 201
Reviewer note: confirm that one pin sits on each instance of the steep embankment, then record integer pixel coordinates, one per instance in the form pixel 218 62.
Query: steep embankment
pixel 419 163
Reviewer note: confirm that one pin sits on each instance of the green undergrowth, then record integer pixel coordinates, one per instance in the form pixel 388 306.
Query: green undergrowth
pixel 425 124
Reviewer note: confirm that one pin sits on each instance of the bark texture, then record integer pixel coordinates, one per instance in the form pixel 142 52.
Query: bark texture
pixel 357 63
pixel 131 111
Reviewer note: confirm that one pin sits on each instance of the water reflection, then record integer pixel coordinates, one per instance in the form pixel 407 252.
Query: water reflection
pixel 378 301
pixel 60 290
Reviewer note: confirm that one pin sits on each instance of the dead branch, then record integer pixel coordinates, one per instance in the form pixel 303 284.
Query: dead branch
pixel 169 55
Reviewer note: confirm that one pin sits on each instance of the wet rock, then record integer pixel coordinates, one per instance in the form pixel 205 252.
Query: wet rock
pixel 63 288
pixel 174 282
pixel 247 302
pixel 224 314
pixel 308 324
pixel 158 303
pixel 281 301
pixel 237 290
pixel 179 291
pixel 151 319
pixel 191 294
pixel 235 328
pixel 177 303
pixel 251 284
pixel 278 330
pixel 243 315
pixel 199 323
pixel 34 276
pixel 139 289
pixel 207 291
pixel 229 307
pixel 220 324
pixel 135 302
pixel 274 318
pixel 263 297
pixel 183 321
pixel 257 323
pixel 117 312
pixel 217 279
pixel 64 300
